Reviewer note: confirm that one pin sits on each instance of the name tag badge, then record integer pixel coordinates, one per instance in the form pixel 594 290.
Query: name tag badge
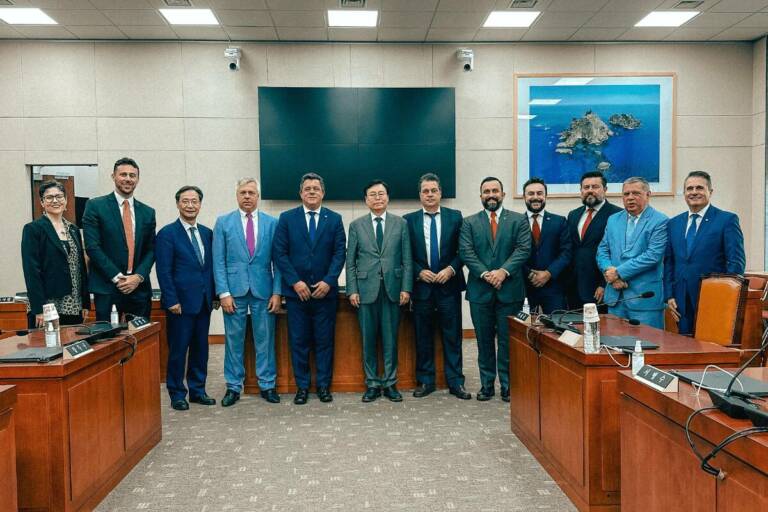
pixel 657 379
pixel 77 349
pixel 572 339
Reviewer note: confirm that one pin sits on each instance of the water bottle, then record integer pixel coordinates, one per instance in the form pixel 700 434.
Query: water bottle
pixel 591 329
pixel 114 317
pixel 526 307
pixel 638 358
pixel 51 326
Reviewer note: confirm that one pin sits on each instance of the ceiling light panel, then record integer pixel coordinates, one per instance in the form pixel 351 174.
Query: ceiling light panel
pixel 189 16
pixel 337 18
pixel 511 19
pixel 25 16
pixel 666 18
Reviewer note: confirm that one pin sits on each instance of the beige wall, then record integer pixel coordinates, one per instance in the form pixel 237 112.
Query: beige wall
pixel 176 109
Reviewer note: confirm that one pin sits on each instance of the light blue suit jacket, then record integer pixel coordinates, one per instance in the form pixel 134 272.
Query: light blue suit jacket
pixel 234 270
pixel 638 259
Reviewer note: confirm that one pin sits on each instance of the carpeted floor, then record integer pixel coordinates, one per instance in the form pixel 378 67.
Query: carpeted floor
pixel 429 454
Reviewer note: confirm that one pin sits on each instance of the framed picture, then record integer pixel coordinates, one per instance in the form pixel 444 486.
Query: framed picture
pixel 622 125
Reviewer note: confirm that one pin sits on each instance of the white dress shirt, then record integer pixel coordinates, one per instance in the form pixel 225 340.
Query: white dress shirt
pixel 120 200
pixel 583 217
pixel 187 226
pixel 383 222
pixel 539 219
pixel 307 216
pixel 428 229
pixel 701 214
pixel 498 214
pixel 244 221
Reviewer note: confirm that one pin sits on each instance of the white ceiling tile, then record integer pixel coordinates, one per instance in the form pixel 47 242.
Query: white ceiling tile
pixel 450 34
pixel 466 5
pixel 561 19
pixel 58 4
pixel 242 18
pixel 713 20
pixel 409 5
pixel 549 34
pixel 200 33
pixel 500 34
pixel 44 32
pixel 759 20
pixel 740 34
pixel 143 18
pixel 369 4
pixel 296 5
pixel 631 5
pixel 694 34
pixel 302 34
pixel 666 5
pixel 597 34
pixel 155 32
pixel 739 6
pixel 299 19
pixel 7 32
pixel 91 17
pixel 458 19
pixel 615 19
pixel 97 32
pixel 402 34
pixel 238 4
pixel 252 33
pixel 575 5
pixel 646 34
pixel 121 4
pixel 352 34
pixel 541 5
pixel 401 19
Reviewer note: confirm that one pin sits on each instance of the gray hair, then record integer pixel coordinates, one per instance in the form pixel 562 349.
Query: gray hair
pixel 245 181
pixel 638 179
pixel 312 176
pixel 430 176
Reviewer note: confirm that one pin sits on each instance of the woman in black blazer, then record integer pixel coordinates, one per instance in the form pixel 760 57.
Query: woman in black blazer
pixel 53 260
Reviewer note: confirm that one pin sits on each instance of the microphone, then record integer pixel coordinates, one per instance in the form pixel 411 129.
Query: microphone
pixel 644 295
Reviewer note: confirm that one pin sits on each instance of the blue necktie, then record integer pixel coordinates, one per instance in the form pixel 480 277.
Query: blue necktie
pixel 690 236
pixel 312 226
pixel 631 223
pixel 196 245
pixel 434 250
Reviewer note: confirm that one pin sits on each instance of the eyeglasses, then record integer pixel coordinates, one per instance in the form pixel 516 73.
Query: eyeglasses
pixel 374 195
pixel 190 202
pixel 58 197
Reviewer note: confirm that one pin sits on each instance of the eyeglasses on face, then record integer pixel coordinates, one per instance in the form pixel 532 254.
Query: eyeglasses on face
pixel 51 198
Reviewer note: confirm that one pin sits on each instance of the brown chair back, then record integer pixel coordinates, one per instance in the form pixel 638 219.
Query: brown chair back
pixel 719 316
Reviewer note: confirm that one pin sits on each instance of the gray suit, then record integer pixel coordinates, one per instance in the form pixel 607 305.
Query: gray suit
pixel 379 277
pixel 490 307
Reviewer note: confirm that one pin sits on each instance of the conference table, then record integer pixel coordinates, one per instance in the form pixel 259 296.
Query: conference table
pixel 660 472
pixel 564 403
pixel 8 499
pixel 82 424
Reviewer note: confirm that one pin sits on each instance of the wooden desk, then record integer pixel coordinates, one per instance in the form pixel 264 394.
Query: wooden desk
pixel 653 436
pixel 348 374
pixel 13 316
pixel 82 424
pixel 565 403
pixel 8 499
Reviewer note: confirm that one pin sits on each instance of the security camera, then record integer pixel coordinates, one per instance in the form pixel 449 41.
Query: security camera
pixel 233 55
pixel 467 56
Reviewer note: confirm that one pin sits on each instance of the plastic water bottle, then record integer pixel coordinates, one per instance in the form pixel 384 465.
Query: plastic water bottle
pixel 591 329
pixel 114 317
pixel 526 307
pixel 51 326
pixel 638 358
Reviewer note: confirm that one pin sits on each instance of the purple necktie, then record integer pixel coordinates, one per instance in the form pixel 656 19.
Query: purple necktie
pixel 249 238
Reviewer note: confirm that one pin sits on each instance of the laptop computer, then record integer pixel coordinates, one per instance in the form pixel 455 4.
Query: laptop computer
pixel 33 355
pixel 626 343
pixel 719 380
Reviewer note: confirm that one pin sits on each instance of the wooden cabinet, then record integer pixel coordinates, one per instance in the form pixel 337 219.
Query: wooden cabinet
pixel 8 500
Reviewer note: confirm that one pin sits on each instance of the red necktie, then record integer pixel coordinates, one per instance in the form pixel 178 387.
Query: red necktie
pixel 536 229
pixel 586 222
pixel 494 226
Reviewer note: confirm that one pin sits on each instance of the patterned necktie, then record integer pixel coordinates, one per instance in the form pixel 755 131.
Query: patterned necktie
pixel 379 232
pixel 312 226
pixel 536 229
pixel 494 226
pixel 196 245
pixel 590 212
pixel 128 228
pixel 434 249
pixel 690 236
pixel 250 239
pixel 631 223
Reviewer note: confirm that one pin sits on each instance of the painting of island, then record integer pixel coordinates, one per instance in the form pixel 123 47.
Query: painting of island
pixel 620 129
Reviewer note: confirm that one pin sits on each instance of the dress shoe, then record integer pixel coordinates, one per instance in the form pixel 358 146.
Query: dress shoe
pixel 301 396
pixel 423 390
pixel 371 394
pixel 270 395
pixel 393 394
pixel 203 400
pixel 230 397
pixel 505 394
pixel 180 405
pixel 324 394
pixel 460 392
pixel 485 394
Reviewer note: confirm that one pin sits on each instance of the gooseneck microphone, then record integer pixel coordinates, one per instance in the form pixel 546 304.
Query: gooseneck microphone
pixel 644 295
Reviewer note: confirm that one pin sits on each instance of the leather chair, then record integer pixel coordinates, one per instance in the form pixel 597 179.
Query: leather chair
pixel 719 317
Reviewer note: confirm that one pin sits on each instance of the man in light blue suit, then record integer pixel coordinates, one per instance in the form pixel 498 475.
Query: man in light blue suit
pixel 247 282
pixel 703 240
pixel 631 256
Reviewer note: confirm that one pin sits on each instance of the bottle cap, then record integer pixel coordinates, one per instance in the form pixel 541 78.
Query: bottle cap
pixel 590 313
pixel 638 346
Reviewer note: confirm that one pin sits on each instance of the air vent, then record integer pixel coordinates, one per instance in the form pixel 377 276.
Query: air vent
pixel 6 2
pixel 688 4
pixel 522 4
pixel 352 4
pixel 178 3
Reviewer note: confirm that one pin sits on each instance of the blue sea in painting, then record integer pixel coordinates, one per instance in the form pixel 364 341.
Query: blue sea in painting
pixel 632 152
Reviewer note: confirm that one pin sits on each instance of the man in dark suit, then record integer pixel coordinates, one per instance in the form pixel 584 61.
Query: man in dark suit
pixel 309 249
pixel 703 240
pixel 119 234
pixel 586 225
pixel 550 250
pixel 439 281
pixel 184 270
pixel 494 245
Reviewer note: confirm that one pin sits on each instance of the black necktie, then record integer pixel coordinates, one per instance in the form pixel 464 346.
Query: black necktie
pixel 195 245
pixel 379 232
pixel 434 250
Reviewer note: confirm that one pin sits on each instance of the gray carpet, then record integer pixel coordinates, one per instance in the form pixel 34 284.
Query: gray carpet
pixel 434 453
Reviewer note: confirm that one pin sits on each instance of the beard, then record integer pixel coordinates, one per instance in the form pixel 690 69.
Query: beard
pixel 591 201
pixel 535 207
pixel 491 204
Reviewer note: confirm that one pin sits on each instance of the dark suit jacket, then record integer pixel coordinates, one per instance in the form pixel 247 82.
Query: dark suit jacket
pixel 509 251
pixel 182 279
pixel 718 247
pixel 106 247
pixel 46 270
pixel 300 260
pixel 552 254
pixel 584 276
pixel 450 228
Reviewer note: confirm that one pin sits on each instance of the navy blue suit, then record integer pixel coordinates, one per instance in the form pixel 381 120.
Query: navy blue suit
pixel 184 281
pixel 444 300
pixel 311 323
pixel 718 247
pixel 553 253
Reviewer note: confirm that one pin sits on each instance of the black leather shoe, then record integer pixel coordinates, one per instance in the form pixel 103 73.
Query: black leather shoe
pixel 230 397
pixel 270 395
pixel 180 405
pixel 505 394
pixel 324 394
pixel 485 394
pixel 371 394
pixel 460 392
pixel 301 396
pixel 203 400
pixel 393 394
pixel 423 390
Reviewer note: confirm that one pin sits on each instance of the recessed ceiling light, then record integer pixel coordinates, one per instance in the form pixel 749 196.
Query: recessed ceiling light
pixel 510 19
pixel 574 81
pixel 357 18
pixel 545 102
pixel 189 16
pixel 25 16
pixel 666 18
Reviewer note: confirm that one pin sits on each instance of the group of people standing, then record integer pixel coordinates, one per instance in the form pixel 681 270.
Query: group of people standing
pixel 250 261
